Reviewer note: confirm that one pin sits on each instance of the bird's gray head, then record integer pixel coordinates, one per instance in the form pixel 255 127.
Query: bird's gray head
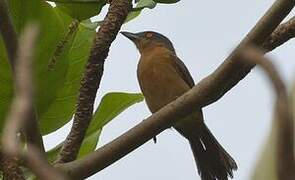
pixel 147 39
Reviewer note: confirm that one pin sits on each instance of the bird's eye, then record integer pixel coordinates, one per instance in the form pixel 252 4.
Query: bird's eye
pixel 149 35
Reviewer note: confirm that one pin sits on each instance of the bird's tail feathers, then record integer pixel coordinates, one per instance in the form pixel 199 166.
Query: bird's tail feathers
pixel 213 162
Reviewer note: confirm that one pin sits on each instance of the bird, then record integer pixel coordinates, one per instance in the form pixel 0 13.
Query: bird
pixel 162 78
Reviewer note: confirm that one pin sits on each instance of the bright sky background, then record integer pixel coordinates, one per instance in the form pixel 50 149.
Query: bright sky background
pixel 203 33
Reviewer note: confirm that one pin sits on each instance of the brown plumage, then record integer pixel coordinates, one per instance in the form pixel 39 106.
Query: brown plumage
pixel 162 78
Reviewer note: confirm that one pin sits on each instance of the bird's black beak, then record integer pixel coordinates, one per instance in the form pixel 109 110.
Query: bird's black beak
pixel 133 37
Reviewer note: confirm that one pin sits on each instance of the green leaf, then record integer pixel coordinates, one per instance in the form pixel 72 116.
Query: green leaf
pixel 81 10
pixel 62 108
pixel 132 15
pixel 28 175
pixel 51 155
pixel 6 90
pixel 52 27
pixel 266 165
pixel 111 105
pixel 136 11
pixel 139 6
pixel 75 1
pixel 146 4
pixel 57 89
pixel 167 1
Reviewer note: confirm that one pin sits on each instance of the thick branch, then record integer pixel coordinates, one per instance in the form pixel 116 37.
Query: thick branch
pixel 206 92
pixel 285 144
pixel 230 72
pixel 106 34
pixel 8 32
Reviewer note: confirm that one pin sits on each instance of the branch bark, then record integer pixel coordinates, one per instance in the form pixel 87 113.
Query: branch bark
pixel 22 103
pixel 21 106
pixel 20 115
pixel 34 159
pixel 206 92
pixel 106 34
pixel 10 38
pixel 8 32
pixel 285 145
pixel 9 167
pixel 281 35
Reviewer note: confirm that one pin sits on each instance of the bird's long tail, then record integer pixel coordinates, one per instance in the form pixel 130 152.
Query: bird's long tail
pixel 213 162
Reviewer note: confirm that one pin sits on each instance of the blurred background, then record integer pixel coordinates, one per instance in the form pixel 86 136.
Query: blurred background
pixel 203 33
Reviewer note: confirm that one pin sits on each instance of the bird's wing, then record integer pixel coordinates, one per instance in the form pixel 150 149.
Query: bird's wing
pixel 183 71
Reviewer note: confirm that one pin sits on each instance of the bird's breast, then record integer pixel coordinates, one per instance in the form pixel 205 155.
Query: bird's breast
pixel 159 81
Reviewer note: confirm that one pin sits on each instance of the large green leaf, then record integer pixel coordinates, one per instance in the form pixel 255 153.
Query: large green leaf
pixel 52 27
pixel 62 108
pixel 111 105
pixel 81 10
pixel 6 87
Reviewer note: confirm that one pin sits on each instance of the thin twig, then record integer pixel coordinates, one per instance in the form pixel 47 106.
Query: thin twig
pixel 208 91
pixel 285 144
pixel 10 40
pixel 22 104
pixel 22 108
pixel 106 34
pixel 8 32
pixel 282 34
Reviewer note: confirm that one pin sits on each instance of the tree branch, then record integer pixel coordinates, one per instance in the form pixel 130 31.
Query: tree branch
pixel 281 35
pixel 208 91
pixel 34 159
pixel 22 104
pixel 8 32
pixel 11 41
pixel 106 34
pixel 32 132
pixel 230 72
pixel 22 109
pixel 285 144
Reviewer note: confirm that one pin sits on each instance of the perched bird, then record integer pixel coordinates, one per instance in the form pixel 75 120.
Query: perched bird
pixel 162 78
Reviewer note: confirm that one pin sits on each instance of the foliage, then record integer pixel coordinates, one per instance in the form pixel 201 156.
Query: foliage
pixel 57 87
pixel 111 105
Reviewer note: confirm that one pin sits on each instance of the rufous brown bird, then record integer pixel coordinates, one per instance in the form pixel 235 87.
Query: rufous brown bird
pixel 162 78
